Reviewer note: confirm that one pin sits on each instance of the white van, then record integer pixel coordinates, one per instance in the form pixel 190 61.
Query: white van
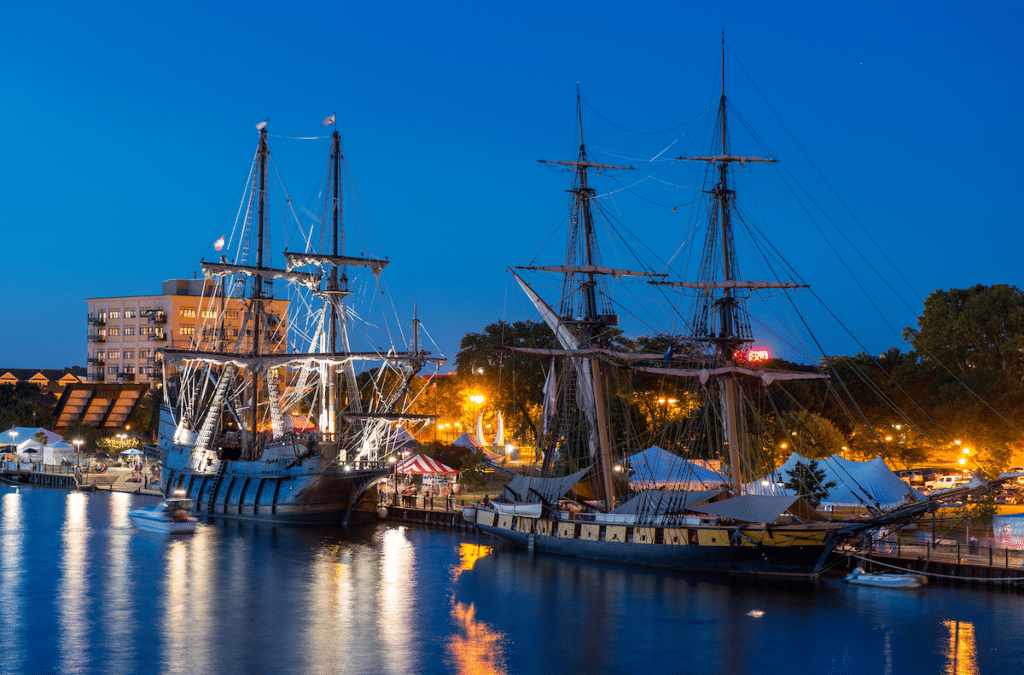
pixel 946 482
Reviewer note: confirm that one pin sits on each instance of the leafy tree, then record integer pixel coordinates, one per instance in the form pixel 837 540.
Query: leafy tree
pixel 978 327
pixel 808 481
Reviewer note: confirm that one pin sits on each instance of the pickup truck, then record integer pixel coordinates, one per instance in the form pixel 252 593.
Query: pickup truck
pixel 945 482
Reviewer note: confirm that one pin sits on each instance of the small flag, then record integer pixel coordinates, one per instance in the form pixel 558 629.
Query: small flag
pixel 263 123
pixel 329 120
pixel 219 244
pixel 669 353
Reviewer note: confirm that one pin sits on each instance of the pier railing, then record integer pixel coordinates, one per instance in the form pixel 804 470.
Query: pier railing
pixel 985 551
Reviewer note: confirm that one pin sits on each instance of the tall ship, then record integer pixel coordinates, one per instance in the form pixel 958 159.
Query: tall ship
pixel 285 405
pixel 723 510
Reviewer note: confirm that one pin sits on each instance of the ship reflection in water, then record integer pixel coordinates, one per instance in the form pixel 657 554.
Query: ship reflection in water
pixel 475 647
pixel 82 592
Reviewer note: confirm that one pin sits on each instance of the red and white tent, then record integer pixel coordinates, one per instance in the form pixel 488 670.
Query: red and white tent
pixel 420 463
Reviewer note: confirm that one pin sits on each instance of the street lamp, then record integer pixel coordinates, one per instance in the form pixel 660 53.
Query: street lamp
pixel 78 450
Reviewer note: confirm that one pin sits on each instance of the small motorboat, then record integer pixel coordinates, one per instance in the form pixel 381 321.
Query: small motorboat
pixel 859 576
pixel 171 516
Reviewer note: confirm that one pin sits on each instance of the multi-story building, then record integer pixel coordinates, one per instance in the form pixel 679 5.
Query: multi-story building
pixel 126 334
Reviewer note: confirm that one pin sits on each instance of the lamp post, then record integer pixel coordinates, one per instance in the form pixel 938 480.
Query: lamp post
pixel 78 451
pixel 394 476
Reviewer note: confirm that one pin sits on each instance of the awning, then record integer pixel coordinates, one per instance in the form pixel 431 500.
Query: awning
pixel 522 488
pixel 758 509
pixel 661 502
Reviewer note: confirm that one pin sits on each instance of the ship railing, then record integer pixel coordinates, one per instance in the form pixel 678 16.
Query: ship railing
pixel 982 551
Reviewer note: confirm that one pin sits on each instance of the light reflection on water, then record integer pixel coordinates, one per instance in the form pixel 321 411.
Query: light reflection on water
pixel 80 591
pixel 12 541
pixel 73 591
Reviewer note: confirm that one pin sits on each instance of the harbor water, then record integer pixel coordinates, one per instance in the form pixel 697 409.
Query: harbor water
pixel 82 592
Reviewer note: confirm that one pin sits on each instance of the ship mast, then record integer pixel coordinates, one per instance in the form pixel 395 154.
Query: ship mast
pixel 590 325
pixel 256 299
pixel 727 340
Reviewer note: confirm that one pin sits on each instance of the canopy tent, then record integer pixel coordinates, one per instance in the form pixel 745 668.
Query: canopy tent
pixel 400 438
pixel 420 463
pixel 526 488
pixel 656 468
pixel 132 452
pixel 662 502
pixel 467 441
pixel 56 452
pixel 16 435
pixel 857 483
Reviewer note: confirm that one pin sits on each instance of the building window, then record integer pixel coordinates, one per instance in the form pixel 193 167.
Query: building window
pixel 129 331
pixel 145 353
pixel 231 313
pixel 129 369
pixel 112 370
pixel 129 313
pixel 209 314
pixel 114 314
pixel 101 316
pixel 129 353
pixel 100 354
pixel 187 330
pixel 147 330
pixel 113 332
pixel 188 312
pixel 114 354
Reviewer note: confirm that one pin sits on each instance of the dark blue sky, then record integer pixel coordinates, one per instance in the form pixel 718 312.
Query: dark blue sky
pixel 129 128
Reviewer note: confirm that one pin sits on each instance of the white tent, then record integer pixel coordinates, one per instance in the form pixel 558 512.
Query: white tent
pixel 17 435
pixel 857 483
pixel 656 468
pixel 55 452
pixel 30 450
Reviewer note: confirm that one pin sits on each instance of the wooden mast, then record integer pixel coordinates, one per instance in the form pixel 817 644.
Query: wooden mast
pixel 257 299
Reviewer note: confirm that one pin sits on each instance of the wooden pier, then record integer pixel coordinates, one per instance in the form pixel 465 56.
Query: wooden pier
pixel 945 562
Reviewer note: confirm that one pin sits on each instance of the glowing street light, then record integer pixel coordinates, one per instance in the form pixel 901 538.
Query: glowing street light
pixel 477 398
pixel 78 450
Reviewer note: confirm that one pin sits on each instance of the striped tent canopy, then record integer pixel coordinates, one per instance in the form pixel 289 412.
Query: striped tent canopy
pixel 420 463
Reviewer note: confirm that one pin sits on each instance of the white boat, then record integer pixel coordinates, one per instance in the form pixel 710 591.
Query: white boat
pixel 529 509
pixel 469 514
pixel 170 516
pixel 860 577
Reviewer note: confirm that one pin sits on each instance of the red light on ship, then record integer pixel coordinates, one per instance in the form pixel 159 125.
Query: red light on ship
pixel 753 355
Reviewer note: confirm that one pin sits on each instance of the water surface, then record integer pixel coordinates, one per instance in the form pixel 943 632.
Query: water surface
pixel 82 592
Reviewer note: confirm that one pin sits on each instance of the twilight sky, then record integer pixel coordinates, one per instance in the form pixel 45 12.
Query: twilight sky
pixel 130 126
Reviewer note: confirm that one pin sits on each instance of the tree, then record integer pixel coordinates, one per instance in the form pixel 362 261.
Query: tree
pixel 808 481
pixel 978 327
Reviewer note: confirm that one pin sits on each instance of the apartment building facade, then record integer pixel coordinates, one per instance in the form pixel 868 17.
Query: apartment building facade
pixel 126 335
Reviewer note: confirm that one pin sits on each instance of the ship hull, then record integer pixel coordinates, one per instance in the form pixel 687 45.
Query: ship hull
pixel 300 495
pixel 784 552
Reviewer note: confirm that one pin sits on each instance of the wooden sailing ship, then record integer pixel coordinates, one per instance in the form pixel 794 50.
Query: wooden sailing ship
pixel 721 530
pixel 284 421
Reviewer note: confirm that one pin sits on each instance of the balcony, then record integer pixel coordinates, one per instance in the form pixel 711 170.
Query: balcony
pixel 158 337
pixel 97 338
pixel 97 321
pixel 96 361
pixel 157 317
pixel 126 377
pixel 97 377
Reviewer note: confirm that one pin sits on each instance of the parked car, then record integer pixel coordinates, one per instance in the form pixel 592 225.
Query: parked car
pixel 1008 495
pixel 945 482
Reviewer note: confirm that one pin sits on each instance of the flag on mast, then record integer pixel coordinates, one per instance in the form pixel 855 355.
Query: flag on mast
pixel 329 121
pixel 262 124
pixel 219 244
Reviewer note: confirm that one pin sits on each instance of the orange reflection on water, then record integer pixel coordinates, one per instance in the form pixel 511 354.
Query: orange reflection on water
pixel 469 554
pixel 474 648
pixel 962 652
